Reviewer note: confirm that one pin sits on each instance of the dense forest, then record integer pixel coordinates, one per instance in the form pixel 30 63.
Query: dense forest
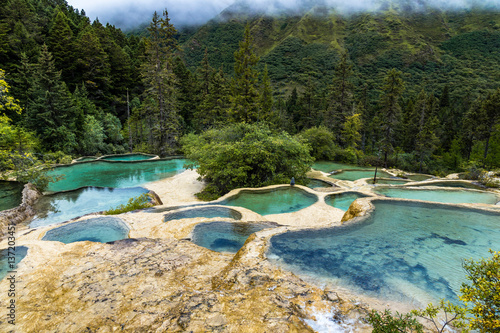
pixel 417 91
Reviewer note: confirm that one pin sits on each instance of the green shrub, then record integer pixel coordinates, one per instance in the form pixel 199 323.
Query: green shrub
pixel 321 141
pixel 139 202
pixel 246 155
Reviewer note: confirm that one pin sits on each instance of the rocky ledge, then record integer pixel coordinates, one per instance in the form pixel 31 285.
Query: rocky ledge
pixel 158 285
pixel 22 212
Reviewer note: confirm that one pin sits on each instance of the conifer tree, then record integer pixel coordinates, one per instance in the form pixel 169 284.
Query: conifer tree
pixel 50 110
pixel 390 112
pixel 426 139
pixel 266 97
pixel 489 118
pixel 245 95
pixel 61 44
pixel 159 79
pixel 341 98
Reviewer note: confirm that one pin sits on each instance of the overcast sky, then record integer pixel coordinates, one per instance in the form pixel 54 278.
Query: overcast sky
pixel 130 13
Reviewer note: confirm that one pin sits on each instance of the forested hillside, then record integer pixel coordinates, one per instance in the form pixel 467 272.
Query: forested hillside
pixel 417 89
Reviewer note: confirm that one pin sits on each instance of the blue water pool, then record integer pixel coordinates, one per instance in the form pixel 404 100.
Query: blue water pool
pixel 225 236
pixel 443 196
pixel 64 206
pixel 328 166
pixel 113 174
pixel 128 157
pixel 206 212
pixel 353 175
pixel 403 251
pixel 10 258
pixel 316 183
pixel 11 194
pixel 343 200
pixel 276 201
pixel 101 229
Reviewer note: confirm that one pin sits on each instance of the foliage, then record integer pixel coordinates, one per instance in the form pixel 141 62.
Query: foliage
pixel 140 202
pixel 246 155
pixel 387 323
pixel 483 293
pixel 321 141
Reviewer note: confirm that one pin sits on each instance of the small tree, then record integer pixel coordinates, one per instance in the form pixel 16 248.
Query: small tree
pixel 483 293
pixel 246 155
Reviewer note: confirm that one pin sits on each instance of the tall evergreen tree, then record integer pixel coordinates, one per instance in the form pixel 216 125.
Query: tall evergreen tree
pixel 390 112
pixel 341 98
pixel 266 97
pixel 159 79
pixel 426 140
pixel 50 110
pixel 245 94
pixel 62 45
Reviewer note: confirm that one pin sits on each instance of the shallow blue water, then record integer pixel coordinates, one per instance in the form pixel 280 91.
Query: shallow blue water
pixel 343 200
pixel 113 174
pixel 443 196
pixel 225 236
pixel 404 251
pixel 207 212
pixel 353 175
pixel 128 157
pixel 315 183
pixel 64 206
pixel 277 201
pixel 100 229
pixel 17 253
pixel 11 194
pixel 328 166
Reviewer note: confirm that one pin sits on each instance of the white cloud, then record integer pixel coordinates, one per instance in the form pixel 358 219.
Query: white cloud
pixel 128 13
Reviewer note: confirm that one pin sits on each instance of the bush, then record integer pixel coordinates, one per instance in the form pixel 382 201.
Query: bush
pixel 139 202
pixel 246 155
pixel 321 141
pixel 483 293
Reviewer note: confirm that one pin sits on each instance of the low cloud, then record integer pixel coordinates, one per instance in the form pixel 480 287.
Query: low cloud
pixel 128 14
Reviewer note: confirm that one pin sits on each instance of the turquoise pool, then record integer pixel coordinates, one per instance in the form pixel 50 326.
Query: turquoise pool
pixel 276 201
pixel 11 194
pixel 64 206
pixel 403 251
pixel 100 229
pixel 387 181
pixel 206 212
pixel 353 175
pixel 128 157
pixel 443 196
pixel 343 200
pixel 315 183
pixel 418 177
pixel 328 166
pixel 115 174
pixel 225 236
pixel 15 254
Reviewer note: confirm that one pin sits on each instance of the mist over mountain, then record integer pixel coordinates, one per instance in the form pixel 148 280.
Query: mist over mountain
pixel 130 14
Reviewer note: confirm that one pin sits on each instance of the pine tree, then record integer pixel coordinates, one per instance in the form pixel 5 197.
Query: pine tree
pixel 341 97
pixel 62 44
pixel 490 118
pixel 426 139
pixel 159 79
pixel 50 110
pixel 390 112
pixel 266 97
pixel 245 95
